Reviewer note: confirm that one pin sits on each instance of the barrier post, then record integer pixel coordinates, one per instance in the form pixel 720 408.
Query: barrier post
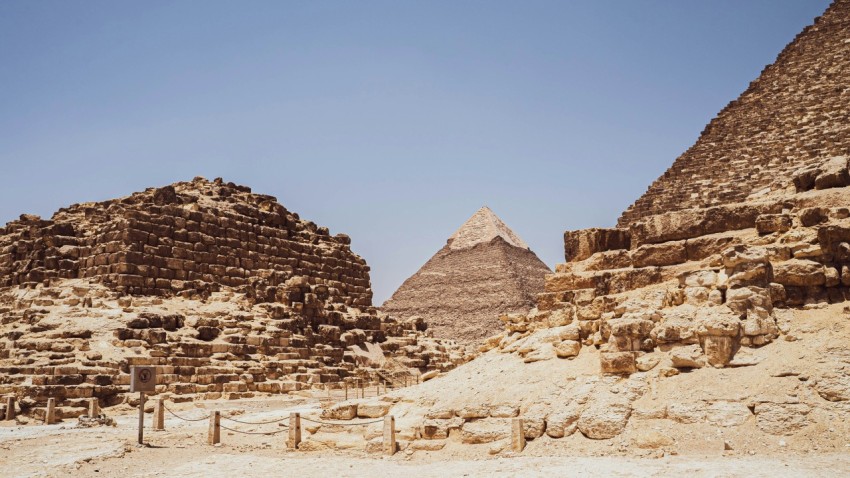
pixel 214 433
pixel 389 435
pixel 294 431
pixel 50 413
pixel 94 408
pixel 10 407
pixel 346 390
pixel 517 435
pixel 159 415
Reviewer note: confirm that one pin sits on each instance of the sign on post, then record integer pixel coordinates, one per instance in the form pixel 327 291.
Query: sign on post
pixel 142 379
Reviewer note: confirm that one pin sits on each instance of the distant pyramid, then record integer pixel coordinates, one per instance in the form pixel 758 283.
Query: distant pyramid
pixel 483 271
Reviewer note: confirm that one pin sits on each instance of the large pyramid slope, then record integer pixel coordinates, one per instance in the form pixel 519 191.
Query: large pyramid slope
pixel 225 291
pixel 719 329
pixel 484 270
pixel 795 114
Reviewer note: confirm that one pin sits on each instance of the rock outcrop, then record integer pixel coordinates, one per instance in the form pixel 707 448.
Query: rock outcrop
pixel 483 271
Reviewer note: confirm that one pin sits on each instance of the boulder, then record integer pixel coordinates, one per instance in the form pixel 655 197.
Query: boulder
pixel 834 387
pixel 341 411
pixel 812 216
pixel 727 413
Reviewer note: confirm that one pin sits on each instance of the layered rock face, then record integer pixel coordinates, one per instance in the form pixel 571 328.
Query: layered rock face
pixel 795 114
pixel 483 271
pixel 226 291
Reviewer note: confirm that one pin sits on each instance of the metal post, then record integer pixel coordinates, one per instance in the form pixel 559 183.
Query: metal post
pixel 214 432
pixel 294 430
pixel 141 418
pixel 389 435
pixel 159 415
pixel 50 413
pixel 517 435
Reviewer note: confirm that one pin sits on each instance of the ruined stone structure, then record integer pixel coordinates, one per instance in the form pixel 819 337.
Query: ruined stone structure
pixel 794 115
pixel 483 271
pixel 226 291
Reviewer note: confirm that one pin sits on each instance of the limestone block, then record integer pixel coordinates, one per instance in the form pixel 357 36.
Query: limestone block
pixel 799 272
pixel 534 421
pixel 504 411
pixel 581 244
pixel 563 421
pixel 373 409
pixel 834 387
pixel 770 223
pixel 781 418
pixel 485 431
pixel 666 254
pixel 688 356
pixel 702 278
pixel 604 417
pixel 812 216
pixel 686 412
pixel 833 173
pixel 341 411
pixel 567 348
pixel 727 413
pixel 617 362
pixel 474 411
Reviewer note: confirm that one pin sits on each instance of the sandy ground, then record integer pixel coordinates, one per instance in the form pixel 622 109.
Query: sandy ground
pixel 181 451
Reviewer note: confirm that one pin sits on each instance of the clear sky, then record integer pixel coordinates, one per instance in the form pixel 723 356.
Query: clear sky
pixel 391 121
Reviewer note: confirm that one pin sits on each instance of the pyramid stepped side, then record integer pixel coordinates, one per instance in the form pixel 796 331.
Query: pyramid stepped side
pixel 726 319
pixel 462 291
pixel 225 291
pixel 795 114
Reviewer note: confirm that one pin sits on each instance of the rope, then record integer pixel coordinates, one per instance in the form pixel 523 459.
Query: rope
pixel 342 424
pixel 254 433
pixel 256 423
pixel 185 419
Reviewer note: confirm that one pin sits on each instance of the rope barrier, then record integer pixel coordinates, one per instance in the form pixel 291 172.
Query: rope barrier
pixel 255 423
pixel 255 433
pixel 342 424
pixel 183 418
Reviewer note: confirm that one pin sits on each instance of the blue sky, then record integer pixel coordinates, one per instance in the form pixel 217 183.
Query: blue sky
pixel 391 121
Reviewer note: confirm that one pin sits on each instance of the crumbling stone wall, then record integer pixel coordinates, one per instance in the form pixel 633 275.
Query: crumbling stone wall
pixel 191 237
pixel 795 114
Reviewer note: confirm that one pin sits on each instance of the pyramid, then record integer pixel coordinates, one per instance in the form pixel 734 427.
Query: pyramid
pixel 794 115
pixel 483 271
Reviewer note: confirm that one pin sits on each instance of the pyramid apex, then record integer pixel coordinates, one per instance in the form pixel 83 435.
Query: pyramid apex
pixel 483 226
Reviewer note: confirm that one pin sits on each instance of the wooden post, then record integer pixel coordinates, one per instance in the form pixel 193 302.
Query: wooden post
pixel 94 408
pixel 294 431
pixel 389 435
pixel 141 416
pixel 10 407
pixel 50 413
pixel 159 415
pixel 517 435
pixel 346 389
pixel 214 433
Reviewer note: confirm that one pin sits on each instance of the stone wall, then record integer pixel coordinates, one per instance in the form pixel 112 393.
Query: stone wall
pixel 190 237
pixel 795 114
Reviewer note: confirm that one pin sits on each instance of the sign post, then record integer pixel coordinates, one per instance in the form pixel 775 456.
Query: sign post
pixel 142 379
